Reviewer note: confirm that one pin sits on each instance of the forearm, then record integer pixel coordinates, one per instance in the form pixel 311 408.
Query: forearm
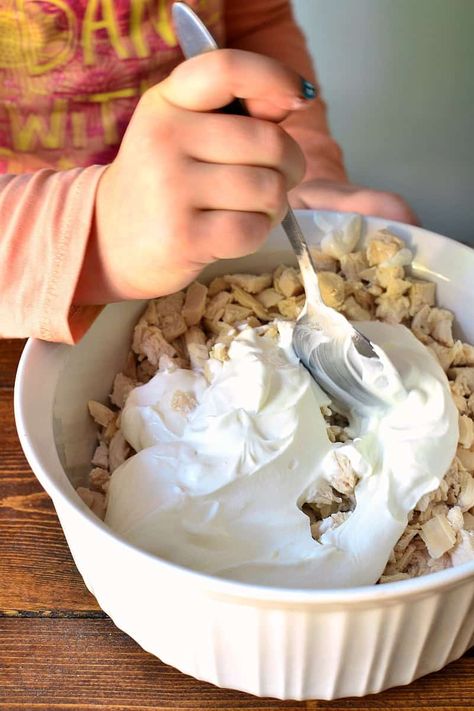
pixel 45 221
pixel 268 27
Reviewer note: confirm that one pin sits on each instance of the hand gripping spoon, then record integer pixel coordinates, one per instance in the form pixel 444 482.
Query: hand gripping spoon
pixel 330 348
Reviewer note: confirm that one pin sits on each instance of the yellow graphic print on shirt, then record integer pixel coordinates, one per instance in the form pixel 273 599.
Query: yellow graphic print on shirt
pixel 72 71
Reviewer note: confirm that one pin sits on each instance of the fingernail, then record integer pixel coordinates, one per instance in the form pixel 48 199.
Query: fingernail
pixel 308 90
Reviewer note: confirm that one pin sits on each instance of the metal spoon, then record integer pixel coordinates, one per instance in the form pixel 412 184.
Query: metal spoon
pixel 323 339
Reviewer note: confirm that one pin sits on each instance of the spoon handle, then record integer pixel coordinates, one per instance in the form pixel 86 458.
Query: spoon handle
pixel 303 255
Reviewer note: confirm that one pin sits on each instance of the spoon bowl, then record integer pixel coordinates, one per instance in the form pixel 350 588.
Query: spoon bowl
pixel 326 343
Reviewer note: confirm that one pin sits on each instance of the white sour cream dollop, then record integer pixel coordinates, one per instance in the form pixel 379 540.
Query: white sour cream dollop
pixel 222 467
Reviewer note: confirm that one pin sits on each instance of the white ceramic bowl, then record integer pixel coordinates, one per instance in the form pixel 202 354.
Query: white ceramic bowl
pixel 285 643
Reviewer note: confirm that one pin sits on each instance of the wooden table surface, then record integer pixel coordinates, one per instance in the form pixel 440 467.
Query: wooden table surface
pixel 58 650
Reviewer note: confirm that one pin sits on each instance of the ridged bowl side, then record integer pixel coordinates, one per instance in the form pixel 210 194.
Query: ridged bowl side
pixel 300 651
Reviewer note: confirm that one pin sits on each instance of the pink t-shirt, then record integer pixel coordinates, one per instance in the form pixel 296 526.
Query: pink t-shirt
pixel 72 72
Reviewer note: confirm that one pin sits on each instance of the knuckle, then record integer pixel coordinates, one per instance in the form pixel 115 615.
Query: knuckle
pixel 272 138
pixel 272 190
pixel 299 164
pixel 250 230
pixel 151 100
pixel 225 61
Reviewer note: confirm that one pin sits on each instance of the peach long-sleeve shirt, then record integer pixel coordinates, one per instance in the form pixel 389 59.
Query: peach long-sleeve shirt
pixel 70 77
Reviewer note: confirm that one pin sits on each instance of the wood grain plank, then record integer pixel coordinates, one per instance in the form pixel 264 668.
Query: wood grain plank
pixel 89 664
pixel 10 351
pixel 36 567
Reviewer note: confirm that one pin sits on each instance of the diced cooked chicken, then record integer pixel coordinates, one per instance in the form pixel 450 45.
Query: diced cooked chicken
pixel 463 379
pixel 382 247
pixel 101 456
pixel 149 316
pixel 291 307
pixel 340 241
pixel 441 326
pixel 148 341
pixel 346 478
pixel 353 264
pixel 392 310
pixel 466 457
pixel 122 388
pixel 466 491
pixel 179 344
pixel 375 290
pixel 463 552
pixel 456 518
pixel 269 298
pixel 252 321
pixel 221 331
pixel 420 324
pixel 287 281
pixel 332 289
pixel 470 404
pixel 146 371
pixel 422 293
pixel 465 355
pixel 438 535
pixel 434 509
pixel 270 331
pixel 323 262
pixel 394 286
pixel 93 500
pixel 427 502
pixel 99 480
pixel 100 413
pixel 370 275
pixel 385 276
pixel 445 354
pixel 405 539
pixel 319 528
pixel 165 313
pixel 466 431
pixel 394 578
pixel 218 284
pixel 194 303
pixel 250 302
pixel 459 400
pixel 251 283
pixel 118 451
pixel 130 369
pixel 402 258
pixel 194 336
pixel 198 354
pixel 171 304
pixel 235 312
pixel 219 351
pixel 468 519
pixel 109 431
pixel 354 311
pixel 323 500
pixel 363 297
pixel 172 326
pixel 216 305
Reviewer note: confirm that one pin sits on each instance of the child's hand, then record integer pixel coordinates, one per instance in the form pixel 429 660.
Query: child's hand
pixel 329 195
pixel 189 186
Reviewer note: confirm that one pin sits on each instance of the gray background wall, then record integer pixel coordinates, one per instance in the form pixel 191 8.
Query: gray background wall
pixel 398 76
